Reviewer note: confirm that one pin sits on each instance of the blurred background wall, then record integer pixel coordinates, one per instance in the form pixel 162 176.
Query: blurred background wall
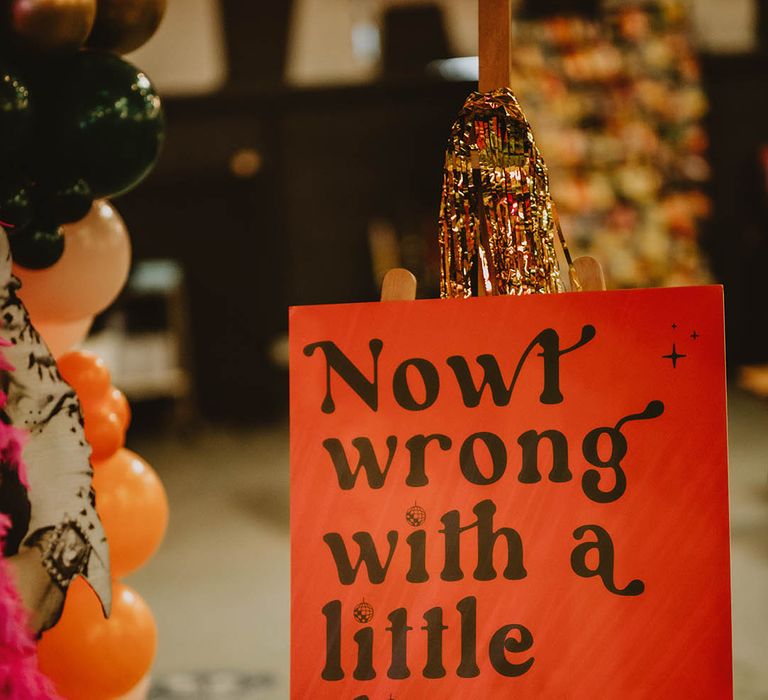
pixel 304 156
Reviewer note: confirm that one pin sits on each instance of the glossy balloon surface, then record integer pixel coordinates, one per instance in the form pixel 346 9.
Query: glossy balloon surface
pixel 51 25
pixel 62 337
pixel 133 508
pixel 108 121
pixel 125 25
pixel 89 275
pixel 104 430
pixel 16 203
pixel 38 246
pixel 87 374
pixel 67 202
pixel 91 658
pixel 15 111
pixel 119 404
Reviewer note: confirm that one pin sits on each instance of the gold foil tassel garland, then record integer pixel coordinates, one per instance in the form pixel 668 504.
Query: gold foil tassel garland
pixel 497 220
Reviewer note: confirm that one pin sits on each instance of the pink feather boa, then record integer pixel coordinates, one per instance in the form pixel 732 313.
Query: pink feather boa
pixel 20 678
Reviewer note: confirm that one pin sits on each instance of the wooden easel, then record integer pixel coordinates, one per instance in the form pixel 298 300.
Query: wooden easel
pixel 495 32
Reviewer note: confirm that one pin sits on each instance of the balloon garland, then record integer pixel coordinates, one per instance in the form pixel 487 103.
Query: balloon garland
pixel 85 655
pixel 75 123
pixel 78 124
pixel 89 275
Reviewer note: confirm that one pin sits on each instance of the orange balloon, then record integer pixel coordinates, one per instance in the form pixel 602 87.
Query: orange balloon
pixel 90 658
pixel 133 507
pixel 87 374
pixel 62 337
pixel 104 429
pixel 119 404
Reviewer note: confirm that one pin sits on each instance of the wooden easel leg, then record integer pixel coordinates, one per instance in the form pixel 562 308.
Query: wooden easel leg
pixel 589 274
pixel 398 285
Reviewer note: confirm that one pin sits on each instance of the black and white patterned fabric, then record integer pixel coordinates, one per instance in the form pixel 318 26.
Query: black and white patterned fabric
pixel 60 515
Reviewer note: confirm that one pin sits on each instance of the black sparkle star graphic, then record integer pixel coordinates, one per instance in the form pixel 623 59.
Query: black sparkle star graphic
pixel 674 356
pixel 695 335
pixel 674 326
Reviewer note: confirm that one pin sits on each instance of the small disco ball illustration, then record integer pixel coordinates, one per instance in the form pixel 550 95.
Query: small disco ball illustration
pixel 416 515
pixel 363 612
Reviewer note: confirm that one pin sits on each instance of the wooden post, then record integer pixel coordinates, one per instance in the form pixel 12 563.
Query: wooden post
pixel 495 43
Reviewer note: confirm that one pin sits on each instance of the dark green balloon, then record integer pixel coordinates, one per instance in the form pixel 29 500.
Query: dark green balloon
pixel 15 111
pixel 67 202
pixel 38 246
pixel 107 121
pixel 16 204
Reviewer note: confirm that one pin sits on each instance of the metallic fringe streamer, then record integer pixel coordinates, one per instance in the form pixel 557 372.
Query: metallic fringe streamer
pixel 496 208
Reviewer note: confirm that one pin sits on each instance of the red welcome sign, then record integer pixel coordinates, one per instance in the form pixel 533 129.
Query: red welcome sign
pixel 511 497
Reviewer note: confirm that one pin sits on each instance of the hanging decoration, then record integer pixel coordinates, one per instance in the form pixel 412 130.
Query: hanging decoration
pixel 497 225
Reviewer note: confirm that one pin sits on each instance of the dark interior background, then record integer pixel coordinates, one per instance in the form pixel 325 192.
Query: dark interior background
pixel 333 159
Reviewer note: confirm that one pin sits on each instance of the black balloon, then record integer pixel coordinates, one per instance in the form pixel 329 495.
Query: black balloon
pixel 66 203
pixel 106 121
pixel 15 111
pixel 16 205
pixel 38 246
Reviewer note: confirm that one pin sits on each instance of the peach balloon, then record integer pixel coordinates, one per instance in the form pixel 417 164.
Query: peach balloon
pixel 133 507
pixel 62 337
pixel 91 658
pixel 89 275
